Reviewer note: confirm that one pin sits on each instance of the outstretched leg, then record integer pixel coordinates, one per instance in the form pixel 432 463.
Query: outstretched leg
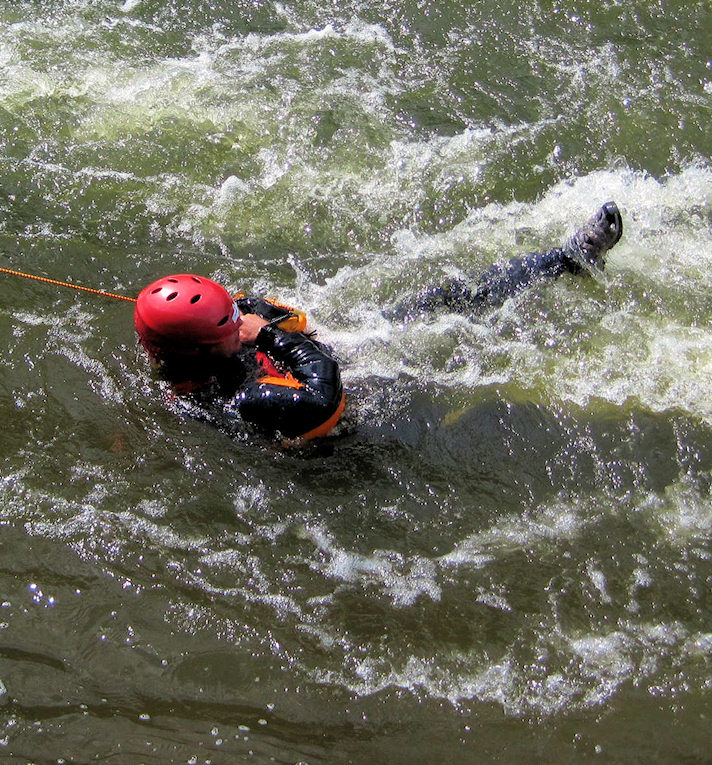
pixel 582 252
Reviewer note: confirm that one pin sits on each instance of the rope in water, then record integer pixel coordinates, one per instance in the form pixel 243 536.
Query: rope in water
pixel 66 284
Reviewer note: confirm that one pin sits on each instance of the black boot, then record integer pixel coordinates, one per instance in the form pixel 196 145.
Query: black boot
pixel 587 248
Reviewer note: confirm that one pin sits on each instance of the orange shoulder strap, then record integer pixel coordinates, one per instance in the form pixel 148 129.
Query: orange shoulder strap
pixel 288 381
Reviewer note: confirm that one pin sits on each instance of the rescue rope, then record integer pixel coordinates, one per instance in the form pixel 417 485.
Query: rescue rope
pixel 66 284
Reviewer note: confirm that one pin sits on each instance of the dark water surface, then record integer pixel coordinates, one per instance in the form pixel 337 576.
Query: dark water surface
pixel 504 554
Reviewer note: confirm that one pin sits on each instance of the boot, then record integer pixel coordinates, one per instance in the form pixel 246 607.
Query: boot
pixel 587 248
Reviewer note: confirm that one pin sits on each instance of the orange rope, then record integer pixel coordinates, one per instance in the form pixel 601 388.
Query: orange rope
pixel 66 284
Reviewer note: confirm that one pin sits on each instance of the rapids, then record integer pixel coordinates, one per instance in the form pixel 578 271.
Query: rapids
pixel 504 551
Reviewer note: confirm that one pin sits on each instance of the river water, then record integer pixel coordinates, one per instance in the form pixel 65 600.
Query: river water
pixel 504 551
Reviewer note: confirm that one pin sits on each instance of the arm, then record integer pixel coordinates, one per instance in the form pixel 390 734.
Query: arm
pixel 284 316
pixel 309 398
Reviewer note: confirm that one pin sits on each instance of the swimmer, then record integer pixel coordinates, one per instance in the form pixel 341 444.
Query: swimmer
pixel 245 361
pixel 239 361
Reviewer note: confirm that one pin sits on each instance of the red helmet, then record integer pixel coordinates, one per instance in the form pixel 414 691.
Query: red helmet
pixel 181 312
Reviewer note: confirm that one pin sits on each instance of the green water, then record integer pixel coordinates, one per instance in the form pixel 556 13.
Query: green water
pixel 503 554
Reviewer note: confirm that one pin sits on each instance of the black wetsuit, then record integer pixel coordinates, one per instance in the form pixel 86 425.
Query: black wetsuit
pixel 497 284
pixel 287 384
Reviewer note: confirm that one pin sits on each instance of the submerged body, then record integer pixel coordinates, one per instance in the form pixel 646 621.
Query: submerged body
pixel 234 364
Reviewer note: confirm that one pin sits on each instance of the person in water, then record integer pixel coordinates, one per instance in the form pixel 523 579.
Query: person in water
pixel 246 360
pixel 237 361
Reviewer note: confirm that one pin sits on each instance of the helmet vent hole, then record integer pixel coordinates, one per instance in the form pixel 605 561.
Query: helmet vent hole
pixel 224 320
pixel 157 290
pixel 172 296
pixel 195 298
pixel 173 281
